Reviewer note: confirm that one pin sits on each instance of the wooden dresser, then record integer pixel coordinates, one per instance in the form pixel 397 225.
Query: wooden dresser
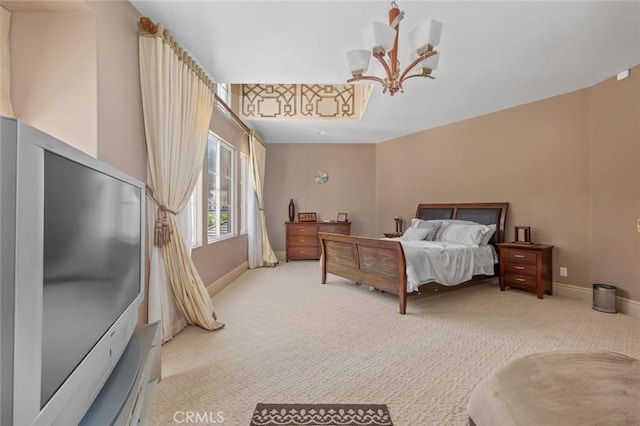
pixel 526 266
pixel 302 237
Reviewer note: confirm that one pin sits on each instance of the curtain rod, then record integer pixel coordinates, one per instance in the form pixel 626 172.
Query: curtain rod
pixel 236 120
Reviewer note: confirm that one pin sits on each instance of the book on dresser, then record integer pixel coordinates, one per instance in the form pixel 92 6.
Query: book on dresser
pixel 302 238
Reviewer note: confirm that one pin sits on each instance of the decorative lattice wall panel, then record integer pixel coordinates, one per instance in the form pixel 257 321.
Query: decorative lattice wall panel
pixel 303 101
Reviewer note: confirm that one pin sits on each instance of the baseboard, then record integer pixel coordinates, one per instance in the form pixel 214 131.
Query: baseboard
pixel 584 294
pixel 629 307
pixel 573 292
pixel 225 280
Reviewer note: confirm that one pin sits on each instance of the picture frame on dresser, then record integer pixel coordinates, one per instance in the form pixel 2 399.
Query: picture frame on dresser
pixel 307 217
pixel 342 217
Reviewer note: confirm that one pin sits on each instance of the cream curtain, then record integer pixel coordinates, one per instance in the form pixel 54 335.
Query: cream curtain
pixel 254 230
pixel 6 109
pixel 177 100
pixel 160 301
pixel 259 242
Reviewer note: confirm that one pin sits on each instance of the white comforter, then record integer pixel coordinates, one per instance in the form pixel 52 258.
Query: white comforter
pixel 445 262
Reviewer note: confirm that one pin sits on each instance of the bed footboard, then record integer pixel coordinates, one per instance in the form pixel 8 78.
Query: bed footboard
pixel 374 262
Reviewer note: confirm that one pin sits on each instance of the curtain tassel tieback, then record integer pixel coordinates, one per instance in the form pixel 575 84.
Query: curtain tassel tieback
pixel 162 229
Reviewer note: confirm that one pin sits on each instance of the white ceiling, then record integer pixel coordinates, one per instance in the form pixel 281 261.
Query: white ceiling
pixel 494 55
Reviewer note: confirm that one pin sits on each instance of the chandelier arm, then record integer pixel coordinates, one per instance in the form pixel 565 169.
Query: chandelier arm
pixel 370 78
pixel 366 77
pixel 384 65
pixel 416 62
pixel 418 75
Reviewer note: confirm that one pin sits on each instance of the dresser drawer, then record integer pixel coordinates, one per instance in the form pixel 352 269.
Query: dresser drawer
pixel 521 256
pixel 303 253
pixel 522 281
pixel 520 268
pixel 299 229
pixel 336 229
pixel 303 240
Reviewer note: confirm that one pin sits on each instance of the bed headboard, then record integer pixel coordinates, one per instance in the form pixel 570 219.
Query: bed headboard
pixel 484 213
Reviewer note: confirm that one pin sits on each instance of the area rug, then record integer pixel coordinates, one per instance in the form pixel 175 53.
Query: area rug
pixel 321 415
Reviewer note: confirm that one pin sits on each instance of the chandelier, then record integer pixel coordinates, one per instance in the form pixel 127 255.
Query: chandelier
pixel 382 39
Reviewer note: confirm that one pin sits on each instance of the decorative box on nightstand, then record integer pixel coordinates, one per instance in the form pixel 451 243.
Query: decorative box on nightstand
pixel 526 266
pixel 392 234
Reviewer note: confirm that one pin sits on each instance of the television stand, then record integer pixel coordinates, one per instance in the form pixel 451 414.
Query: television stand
pixel 125 398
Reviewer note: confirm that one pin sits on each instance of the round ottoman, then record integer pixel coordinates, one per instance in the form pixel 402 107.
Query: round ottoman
pixel 560 388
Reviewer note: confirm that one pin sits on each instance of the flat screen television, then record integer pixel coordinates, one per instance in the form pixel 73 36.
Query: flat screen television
pixel 72 269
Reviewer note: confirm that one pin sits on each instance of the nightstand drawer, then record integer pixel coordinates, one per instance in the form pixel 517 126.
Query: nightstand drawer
pixel 522 281
pixel 521 256
pixel 520 268
pixel 303 240
pixel 335 229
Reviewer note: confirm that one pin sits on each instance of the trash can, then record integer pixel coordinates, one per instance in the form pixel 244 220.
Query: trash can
pixel 604 298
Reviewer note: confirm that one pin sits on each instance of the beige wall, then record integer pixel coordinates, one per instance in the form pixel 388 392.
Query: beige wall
pixel 614 164
pixel 215 260
pixel 350 188
pixel 54 75
pixel 120 126
pixel 77 77
pixel 535 157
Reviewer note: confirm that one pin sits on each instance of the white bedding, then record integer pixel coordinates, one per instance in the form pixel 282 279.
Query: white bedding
pixel 445 262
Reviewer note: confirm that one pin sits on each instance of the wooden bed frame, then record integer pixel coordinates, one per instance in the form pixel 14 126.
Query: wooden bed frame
pixel 380 263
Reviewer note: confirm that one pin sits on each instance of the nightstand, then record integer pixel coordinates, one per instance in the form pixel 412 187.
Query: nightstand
pixel 526 266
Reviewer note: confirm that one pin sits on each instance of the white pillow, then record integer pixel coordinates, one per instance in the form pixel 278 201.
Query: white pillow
pixel 463 233
pixel 431 235
pixel 421 223
pixel 415 234
pixel 445 223
pixel 487 237
pixel 431 225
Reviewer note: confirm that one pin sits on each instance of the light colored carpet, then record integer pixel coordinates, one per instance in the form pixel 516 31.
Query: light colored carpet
pixel 290 339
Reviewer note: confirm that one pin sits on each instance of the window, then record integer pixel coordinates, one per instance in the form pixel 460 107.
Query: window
pixel 220 197
pixel 222 90
pixel 195 211
pixel 244 191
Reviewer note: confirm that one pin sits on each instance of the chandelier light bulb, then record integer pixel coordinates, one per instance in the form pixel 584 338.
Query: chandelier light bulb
pixel 425 36
pixel 379 37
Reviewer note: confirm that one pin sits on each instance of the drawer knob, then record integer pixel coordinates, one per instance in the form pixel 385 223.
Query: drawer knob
pixel 518 255
pixel 519 267
pixel 520 279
